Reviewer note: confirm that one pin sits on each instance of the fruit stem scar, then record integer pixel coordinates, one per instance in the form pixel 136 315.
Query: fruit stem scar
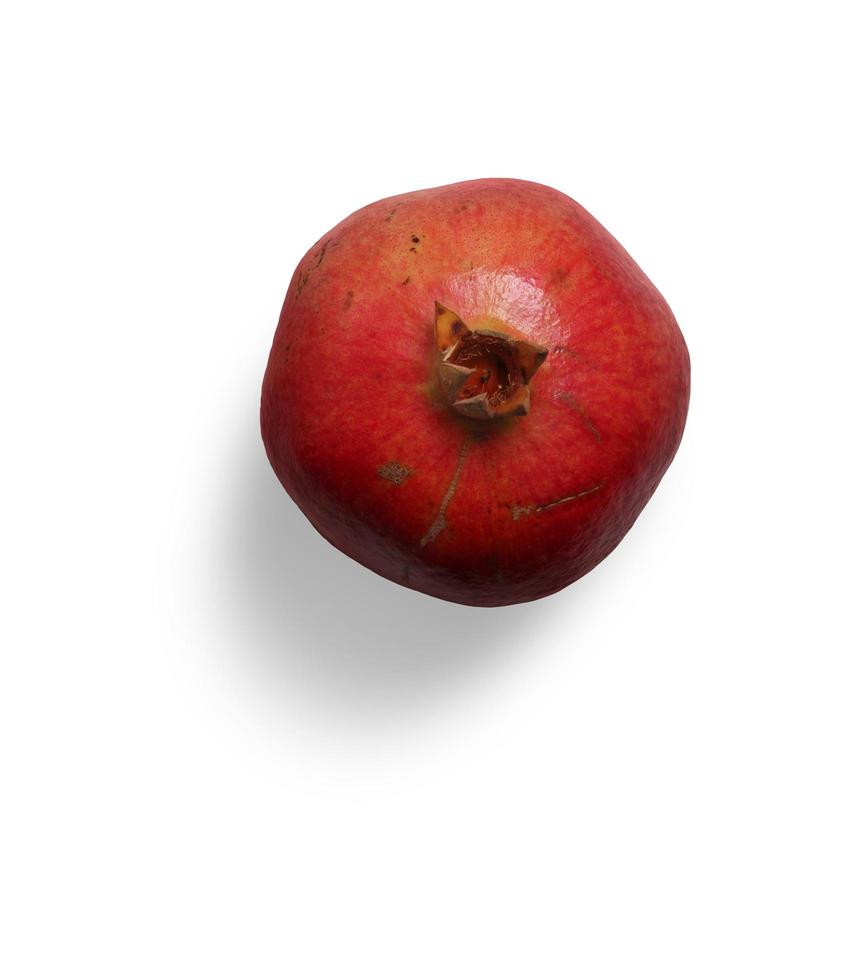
pixel 439 523
pixel 539 508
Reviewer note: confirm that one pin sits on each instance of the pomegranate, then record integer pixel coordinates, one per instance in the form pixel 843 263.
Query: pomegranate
pixel 473 390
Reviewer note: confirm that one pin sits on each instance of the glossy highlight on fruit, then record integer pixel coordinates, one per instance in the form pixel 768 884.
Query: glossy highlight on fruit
pixel 473 390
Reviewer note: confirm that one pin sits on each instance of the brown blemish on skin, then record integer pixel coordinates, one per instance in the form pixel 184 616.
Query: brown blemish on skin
pixel 304 277
pixel 395 472
pixel 439 523
pixel 569 399
pixel 325 248
pixel 558 278
pixel 524 511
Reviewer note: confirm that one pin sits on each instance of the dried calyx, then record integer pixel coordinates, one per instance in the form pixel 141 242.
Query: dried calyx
pixel 484 373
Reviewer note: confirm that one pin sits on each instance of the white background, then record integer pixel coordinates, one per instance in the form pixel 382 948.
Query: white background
pixel 228 751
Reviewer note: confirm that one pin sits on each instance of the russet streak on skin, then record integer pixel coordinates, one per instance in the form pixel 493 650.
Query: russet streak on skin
pixel 569 399
pixel 539 508
pixel 439 523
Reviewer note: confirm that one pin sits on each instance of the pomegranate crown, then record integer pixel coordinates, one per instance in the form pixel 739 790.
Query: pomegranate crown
pixel 484 373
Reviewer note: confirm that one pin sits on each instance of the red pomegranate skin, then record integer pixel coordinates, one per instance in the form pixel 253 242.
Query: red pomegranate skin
pixel 481 512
